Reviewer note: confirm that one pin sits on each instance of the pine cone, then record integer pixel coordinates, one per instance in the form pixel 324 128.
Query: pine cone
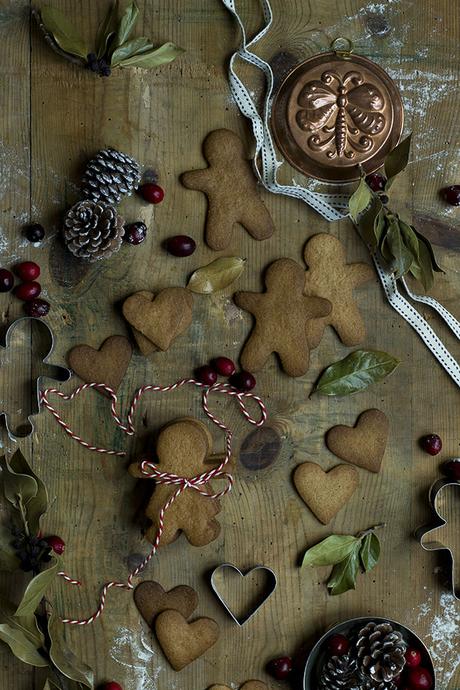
pixel 339 673
pixel 369 684
pixel 93 231
pixel 109 176
pixel 380 654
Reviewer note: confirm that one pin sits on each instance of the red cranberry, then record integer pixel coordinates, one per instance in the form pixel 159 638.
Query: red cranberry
pixel 420 679
pixel 56 543
pixel 34 232
pixel 27 271
pixel 243 381
pixel 338 645
pixel 135 233
pixel 6 280
pixel 180 245
pixel 27 291
pixel 452 469
pixel 280 668
pixel 111 686
pixel 376 182
pixel 152 193
pixel 413 657
pixel 37 308
pixel 431 443
pixel 452 194
pixel 223 366
pixel 206 375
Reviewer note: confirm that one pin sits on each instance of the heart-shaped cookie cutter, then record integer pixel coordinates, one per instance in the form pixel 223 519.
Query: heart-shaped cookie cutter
pixel 271 586
pixel 422 532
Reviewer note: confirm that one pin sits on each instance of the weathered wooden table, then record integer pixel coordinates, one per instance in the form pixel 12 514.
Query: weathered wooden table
pixel 54 117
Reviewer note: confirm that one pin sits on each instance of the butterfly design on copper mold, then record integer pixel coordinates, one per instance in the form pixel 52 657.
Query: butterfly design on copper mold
pixel 345 109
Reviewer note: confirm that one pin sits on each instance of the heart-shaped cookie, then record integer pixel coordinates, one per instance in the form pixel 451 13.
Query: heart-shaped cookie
pixel 184 642
pixel 146 347
pixel 151 599
pixel 249 685
pixel 325 493
pixel 107 365
pixel 247 605
pixel 364 444
pixel 162 319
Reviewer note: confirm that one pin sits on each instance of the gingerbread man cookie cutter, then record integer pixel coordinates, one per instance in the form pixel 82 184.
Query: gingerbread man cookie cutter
pixel 56 372
pixel 428 535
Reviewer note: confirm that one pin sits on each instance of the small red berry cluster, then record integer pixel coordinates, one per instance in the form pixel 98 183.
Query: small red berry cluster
pixel 135 233
pixel 432 444
pixel 223 366
pixel 29 290
pixel 56 543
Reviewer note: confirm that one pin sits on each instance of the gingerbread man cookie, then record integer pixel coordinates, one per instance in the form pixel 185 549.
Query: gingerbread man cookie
pixel 182 449
pixel 329 276
pixel 282 315
pixel 231 188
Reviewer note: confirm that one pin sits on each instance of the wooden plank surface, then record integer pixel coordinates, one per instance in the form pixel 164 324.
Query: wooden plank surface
pixel 54 117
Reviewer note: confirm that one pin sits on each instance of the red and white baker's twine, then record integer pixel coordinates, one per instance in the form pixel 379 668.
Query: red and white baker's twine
pixel 152 471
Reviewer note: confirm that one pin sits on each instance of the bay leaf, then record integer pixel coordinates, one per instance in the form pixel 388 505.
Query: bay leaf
pixel 130 48
pixel 8 559
pixel 400 257
pixel 153 58
pixel 367 221
pixel 26 624
pixel 397 160
pixel 63 32
pixel 21 647
pixel 17 485
pixel 217 275
pixel 344 574
pixel 38 504
pixel 426 242
pixel 410 239
pixel 107 29
pixel 359 200
pixel 127 23
pixel 37 588
pixel 64 659
pixel 356 372
pixel 49 685
pixel 379 225
pixel 370 551
pixel 330 551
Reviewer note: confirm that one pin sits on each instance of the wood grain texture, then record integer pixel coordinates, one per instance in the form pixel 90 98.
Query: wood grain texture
pixel 53 117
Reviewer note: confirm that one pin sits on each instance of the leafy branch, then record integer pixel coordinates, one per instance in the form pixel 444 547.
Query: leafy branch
pixel 114 45
pixel 348 555
pixel 399 244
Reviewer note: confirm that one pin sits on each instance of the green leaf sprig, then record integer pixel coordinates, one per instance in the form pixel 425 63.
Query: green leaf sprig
pixel 114 45
pixel 402 247
pixel 348 555
pixel 355 372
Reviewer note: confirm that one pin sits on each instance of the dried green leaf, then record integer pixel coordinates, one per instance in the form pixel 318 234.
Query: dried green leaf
pixel 8 559
pixel 359 200
pixel 410 239
pixel 50 685
pixel 217 275
pixel 330 551
pixel 370 551
pixel 154 58
pixel 422 269
pixel 356 372
pixel 38 504
pixel 127 23
pixel 21 647
pixel 64 659
pixel 397 160
pixel 17 486
pixel 401 258
pixel 344 574
pixel 137 46
pixel 107 29
pixel 63 32
pixel 426 242
pixel 37 588
pixel 26 624
pixel 367 221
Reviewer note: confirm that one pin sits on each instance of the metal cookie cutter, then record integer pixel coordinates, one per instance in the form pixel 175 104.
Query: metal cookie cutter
pixel 38 339
pixel 430 536
pixel 253 606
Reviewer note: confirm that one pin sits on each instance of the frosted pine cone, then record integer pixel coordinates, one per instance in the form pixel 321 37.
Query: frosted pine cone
pixel 93 231
pixel 109 176
pixel 380 654
pixel 339 673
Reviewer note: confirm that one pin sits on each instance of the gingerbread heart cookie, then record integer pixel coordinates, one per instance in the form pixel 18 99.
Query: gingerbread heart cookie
pixel 146 347
pixel 151 600
pixel 162 318
pixel 325 493
pixel 231 188
pixel 330 277
pixel 364 444
pixel 281 314
pixel 249 685
pixel 107 365
pixel 183 642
